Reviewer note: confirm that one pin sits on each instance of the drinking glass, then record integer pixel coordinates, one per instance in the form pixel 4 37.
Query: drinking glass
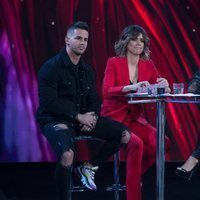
pixel 152 89
pixel 178 88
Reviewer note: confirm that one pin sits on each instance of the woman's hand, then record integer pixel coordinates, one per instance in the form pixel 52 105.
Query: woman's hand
pixel 136 87
pixel 163 83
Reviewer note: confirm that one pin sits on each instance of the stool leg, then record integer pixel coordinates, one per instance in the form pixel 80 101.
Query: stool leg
pixel 116 187
pixel 116 174
pixel 70 186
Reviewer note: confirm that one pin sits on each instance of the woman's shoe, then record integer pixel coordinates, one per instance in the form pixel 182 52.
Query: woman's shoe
pixel 186 174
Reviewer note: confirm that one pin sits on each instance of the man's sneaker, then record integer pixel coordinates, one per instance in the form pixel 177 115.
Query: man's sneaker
pixel 86 173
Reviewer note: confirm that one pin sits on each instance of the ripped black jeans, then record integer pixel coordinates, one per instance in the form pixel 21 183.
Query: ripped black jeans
pixel 107 129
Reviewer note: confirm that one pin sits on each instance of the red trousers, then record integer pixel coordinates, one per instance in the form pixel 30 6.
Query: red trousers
pixel 141 154
pixel 134 151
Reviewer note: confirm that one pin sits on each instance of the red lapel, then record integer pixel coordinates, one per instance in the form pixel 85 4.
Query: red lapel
pixel 124 70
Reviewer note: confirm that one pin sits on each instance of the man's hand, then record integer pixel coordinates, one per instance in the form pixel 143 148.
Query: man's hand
pixel 88 120
pixel 86 128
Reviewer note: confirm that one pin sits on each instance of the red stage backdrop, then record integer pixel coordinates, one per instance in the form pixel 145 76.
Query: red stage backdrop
pixel 33 31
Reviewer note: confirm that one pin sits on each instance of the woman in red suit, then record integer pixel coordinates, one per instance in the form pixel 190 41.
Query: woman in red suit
pixel 129 71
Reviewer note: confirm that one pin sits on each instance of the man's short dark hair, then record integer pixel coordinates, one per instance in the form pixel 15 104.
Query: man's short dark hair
pixel 78 25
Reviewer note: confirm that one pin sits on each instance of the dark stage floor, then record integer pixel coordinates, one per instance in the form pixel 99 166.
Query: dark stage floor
pixel 34 181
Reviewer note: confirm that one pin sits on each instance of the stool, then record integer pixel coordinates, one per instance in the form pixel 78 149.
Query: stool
pixel 116 187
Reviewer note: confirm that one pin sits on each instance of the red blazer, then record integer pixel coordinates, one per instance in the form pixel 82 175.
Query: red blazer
pixel 115 78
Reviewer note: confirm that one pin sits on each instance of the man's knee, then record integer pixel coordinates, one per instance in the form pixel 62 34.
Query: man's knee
pixel 60 126
pixel 67 158
pixel 126 135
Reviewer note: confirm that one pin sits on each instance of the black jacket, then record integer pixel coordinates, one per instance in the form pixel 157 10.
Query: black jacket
pixel 63 93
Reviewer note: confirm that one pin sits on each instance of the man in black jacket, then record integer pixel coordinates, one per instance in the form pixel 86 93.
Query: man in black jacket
pixel 69 106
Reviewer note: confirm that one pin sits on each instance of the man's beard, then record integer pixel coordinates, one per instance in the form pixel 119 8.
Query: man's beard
pixel 77 53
